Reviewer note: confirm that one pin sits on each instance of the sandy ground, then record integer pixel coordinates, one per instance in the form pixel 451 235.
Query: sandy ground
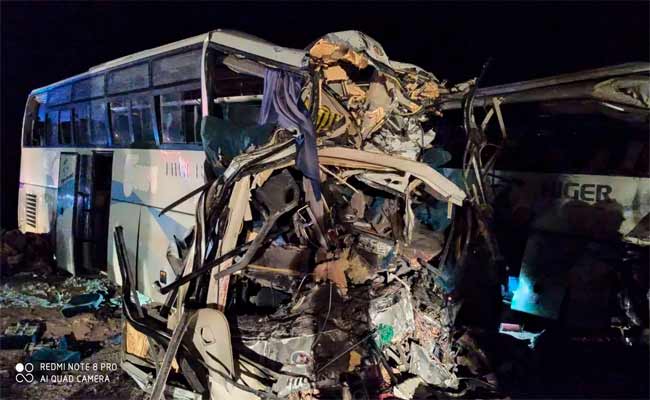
pixel 97 335
pixel 108 384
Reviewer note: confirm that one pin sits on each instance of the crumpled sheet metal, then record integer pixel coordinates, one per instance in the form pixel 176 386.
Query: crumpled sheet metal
pixel 351 158
pixel 336 45
pixel 286 385
pixel 354 46
pixel 294 353
pixel 371 133
pixel 406 390
pixel 239 212
pixel 407 146
pixel 387 112
pixel 430 370
pixel 519 333
pixel 250 44
pixel 396 311
pixel 633 91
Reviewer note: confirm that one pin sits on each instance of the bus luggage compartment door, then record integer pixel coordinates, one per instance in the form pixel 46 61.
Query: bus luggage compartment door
pixel 65 211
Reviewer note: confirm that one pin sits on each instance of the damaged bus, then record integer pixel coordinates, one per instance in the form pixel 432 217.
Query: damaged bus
pixel 115 145
pixel 571 174
pixel 289 212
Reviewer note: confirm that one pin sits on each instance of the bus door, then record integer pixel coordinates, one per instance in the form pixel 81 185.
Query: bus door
pixel 93 205
pixel 66 210
pixel 83 203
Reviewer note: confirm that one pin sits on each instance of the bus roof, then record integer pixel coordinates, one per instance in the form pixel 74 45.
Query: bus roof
pixel 238 42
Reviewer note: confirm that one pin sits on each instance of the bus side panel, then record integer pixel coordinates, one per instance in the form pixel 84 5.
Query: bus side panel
pixel 37 194
pixel 595 206
pixel 157 178
pixel 143 182
pixel 40 166
pixel 149 236
pixel 36 208
pixel 127 216
pixel 156 237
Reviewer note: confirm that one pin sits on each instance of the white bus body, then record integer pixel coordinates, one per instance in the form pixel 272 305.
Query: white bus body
pixel 143 179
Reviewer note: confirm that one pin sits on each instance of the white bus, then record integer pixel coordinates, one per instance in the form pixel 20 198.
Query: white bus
pixel 115 145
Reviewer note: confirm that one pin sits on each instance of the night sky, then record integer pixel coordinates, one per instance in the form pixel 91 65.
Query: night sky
pixel 43 43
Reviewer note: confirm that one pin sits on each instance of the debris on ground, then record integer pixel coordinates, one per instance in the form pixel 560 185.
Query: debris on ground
pixel 17 336
pixel 35 331
pixel 82 303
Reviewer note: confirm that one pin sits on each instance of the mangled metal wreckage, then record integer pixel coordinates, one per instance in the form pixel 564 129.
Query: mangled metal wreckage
pixel 324 250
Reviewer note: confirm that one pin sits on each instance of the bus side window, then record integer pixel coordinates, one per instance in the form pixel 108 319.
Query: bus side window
pixel 52 128
pixel 35 134
pixel 99 123
pixel 65 127
pixel 82 124
pixel 180 115
pixel 142 120
pixel 120 123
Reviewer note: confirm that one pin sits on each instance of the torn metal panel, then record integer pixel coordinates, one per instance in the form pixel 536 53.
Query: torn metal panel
pixel 287 385
pixel 597 83
pixel 394 310
pixel 247 44
pixel 641 233
pixel 409 216
pixel 394 182
pixel 212 340
pixel 518 332
pixel 244 66
pixel 633 91
pixel 407 389
pixel 424 244
pixel 333 119
pixel 353 158
pixel 360 50
pixel 293 353
pixel 431 370
pixel 334 74
pixel 409 144
pixel 239 207
pixel 145 382
pixel 288 256
pixel 588 75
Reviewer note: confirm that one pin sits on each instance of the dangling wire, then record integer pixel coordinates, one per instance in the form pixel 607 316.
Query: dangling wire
pixel 322 328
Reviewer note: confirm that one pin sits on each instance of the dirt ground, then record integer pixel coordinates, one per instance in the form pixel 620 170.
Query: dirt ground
pixel 96 335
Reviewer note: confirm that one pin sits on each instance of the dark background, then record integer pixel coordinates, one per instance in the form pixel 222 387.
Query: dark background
pixel 43 43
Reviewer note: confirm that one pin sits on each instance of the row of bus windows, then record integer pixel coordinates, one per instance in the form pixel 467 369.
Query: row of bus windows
pixel 164 71
pixel 171 118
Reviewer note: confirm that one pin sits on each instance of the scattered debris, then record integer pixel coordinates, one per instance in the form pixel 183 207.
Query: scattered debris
pixel 17 336
pixel 518 332
pixel 82 303
pixel 61 354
